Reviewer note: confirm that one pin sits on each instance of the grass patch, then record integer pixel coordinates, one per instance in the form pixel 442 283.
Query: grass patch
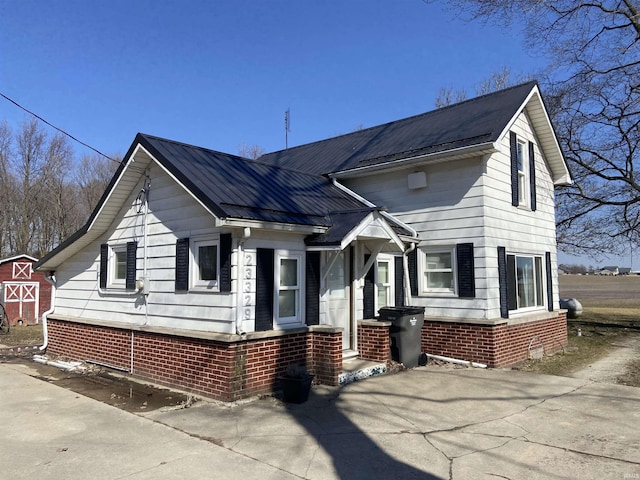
pixel 22 336
pixel 599 327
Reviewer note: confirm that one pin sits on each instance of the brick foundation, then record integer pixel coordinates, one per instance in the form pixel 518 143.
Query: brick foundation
pixel 238 368
pixel 495 345
pixel 224 370
pixel 374 342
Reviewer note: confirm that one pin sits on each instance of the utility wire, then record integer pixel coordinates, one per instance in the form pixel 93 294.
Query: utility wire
pixel 58 129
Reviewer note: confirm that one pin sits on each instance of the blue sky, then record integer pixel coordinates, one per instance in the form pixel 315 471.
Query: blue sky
pixel 221 73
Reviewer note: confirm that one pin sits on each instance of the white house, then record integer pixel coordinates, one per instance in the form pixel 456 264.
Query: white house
pixel 214 272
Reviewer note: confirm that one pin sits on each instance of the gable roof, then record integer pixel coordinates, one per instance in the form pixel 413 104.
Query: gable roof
pixel 17 257
pixel 239 188
pixel 470 127
pixel 228 186
pixel 294 188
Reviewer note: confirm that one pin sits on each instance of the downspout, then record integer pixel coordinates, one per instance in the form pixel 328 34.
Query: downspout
pixel 246 233
pixel 49 277
pixel 405 267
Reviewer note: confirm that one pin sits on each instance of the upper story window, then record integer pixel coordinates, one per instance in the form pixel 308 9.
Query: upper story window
pixel 523 172
pixel 522 162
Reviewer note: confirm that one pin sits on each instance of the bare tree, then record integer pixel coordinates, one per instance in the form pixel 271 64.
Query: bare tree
pixel 6 187
pixel 592 88
pixel 250 151
pixel 92 177
pixel 41 201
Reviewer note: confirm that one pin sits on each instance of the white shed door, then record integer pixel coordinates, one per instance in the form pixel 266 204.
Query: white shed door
pixel 21 300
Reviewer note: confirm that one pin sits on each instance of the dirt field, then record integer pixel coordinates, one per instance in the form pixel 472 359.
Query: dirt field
pixel 602 292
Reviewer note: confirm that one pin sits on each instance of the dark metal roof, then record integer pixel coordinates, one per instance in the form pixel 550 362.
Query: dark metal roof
pixel 472 122
pixel 236 187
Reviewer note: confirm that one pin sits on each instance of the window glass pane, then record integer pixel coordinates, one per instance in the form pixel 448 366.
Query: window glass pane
pixel 287 303
pixel 288 272
pixel 440 280
pixel 539 294
pixel 441 260
pixel 383 296
pixel 526 283
pixel 520 157
pixel 208 262
pixel 121 265
pixel 336 278
pixel 383 272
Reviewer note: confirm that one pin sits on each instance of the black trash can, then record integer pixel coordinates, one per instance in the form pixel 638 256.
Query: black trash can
pixel 405 332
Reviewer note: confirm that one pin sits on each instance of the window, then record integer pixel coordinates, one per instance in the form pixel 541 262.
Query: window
pixel 288 289
pixel 438 271
pixel 22 270
pixel 205 263
pixel 525 278
pixel 523 172
pixel 118 265
pixel 522 164
pixel 383 283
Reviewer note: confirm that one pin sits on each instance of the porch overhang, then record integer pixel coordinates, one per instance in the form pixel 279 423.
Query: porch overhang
pixel 368 226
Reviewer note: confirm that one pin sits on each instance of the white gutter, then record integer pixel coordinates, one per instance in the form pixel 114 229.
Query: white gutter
pixel 405 267
pixel 50 277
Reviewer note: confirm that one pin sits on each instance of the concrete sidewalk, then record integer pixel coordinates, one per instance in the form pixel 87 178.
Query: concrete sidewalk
pixel 427 423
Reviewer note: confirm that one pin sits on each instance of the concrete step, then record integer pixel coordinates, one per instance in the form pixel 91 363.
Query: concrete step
pixel 356 369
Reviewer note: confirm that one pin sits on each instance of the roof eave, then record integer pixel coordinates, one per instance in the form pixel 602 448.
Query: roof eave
pixel 436 157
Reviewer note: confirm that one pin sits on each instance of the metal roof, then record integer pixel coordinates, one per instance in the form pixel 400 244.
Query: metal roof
pixel 472 122
pixel 239 188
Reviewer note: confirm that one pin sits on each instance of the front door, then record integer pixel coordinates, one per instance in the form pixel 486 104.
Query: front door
pixel 339 294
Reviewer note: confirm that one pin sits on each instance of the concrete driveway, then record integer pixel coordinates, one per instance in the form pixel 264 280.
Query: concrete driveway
pixel 427 423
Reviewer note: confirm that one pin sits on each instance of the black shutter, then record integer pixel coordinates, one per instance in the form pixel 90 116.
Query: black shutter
pixel 502 281
pixel 466 270
pixel 547 258
pixel 513 143
pixel 369 291
pixel 130 277
pixel 225 262
pixel 182 265
pixel 104 258
pixel 264 289
pixel 312 288
pixel 398 273
pixel 412 264
pixel 532 176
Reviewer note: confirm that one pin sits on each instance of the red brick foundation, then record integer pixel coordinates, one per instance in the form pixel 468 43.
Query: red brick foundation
pixel 495 345
pixel 224 370
pixel 374 342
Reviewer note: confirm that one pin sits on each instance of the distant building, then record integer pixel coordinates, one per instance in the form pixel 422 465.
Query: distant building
pixel 608 271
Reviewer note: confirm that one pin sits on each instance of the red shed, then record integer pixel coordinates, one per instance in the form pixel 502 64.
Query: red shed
pixel 25 294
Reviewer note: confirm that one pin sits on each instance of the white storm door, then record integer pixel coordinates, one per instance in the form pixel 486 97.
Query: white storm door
pixel 339 301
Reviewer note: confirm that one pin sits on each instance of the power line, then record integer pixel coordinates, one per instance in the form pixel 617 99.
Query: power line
pixel 58 129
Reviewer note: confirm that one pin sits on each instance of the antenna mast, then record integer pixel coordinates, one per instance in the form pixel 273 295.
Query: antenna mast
pixel 286 128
